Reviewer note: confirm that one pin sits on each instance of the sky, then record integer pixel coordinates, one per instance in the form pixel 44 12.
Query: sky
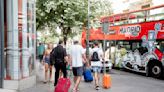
pixel 117 6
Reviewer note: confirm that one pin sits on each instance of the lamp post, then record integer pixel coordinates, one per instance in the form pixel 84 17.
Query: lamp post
pixel 88 32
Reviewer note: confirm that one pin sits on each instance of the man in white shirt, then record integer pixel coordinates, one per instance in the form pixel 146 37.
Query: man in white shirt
pixel 96 58
pixel 77 56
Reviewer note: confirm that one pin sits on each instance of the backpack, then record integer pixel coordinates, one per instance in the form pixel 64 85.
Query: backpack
pixel 57 55
pixel 52 57
pixel 95 56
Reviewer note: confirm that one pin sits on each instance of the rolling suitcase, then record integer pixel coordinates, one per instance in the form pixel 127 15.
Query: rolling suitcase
pixel 63 85
pixel 88 75
pixel 106 79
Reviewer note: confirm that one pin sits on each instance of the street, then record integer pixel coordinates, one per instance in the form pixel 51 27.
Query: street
pixel 121 82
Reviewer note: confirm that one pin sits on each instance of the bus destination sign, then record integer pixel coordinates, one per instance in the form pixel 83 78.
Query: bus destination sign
pixel 130 30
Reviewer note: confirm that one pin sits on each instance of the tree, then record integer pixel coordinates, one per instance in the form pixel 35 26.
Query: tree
pixel 65 13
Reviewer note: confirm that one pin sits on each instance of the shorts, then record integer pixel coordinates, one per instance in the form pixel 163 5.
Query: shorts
pixel 96 69
pixel 47 60
pixel 77 71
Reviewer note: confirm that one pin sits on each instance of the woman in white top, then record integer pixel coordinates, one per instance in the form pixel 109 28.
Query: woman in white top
pixel 96 58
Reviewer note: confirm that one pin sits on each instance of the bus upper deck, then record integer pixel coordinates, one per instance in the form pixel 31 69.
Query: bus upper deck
pixel 129 26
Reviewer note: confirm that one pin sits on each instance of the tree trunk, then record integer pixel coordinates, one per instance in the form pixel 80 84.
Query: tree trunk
pixel 65 39
pixel 65 35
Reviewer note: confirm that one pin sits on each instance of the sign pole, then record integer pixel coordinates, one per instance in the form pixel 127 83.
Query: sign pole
pixel 105 26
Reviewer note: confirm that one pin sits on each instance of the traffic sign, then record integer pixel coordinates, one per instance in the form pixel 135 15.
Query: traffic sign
pixel 105 27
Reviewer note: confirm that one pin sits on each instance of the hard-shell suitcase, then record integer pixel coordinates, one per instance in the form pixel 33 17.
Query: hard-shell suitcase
pixel 106 81
pixel 88 75
pixel 63 85
pixel 106 78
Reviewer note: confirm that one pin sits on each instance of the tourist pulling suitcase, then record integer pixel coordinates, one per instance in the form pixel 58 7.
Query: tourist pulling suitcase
pixel 64 84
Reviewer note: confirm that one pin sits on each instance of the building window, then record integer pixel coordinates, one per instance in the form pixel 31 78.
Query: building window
pixel 145 6
pixel 127 10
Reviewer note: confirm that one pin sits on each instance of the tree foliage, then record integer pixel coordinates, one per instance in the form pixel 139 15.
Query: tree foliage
pixel 103 8
pixel 66 14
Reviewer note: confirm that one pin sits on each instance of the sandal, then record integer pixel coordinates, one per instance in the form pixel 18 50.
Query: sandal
pixel 97 88
pixel 45 82
pixel 74 90
pixel 78 89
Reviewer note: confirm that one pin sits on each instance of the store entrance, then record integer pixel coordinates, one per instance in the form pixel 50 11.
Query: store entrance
pixel 1 43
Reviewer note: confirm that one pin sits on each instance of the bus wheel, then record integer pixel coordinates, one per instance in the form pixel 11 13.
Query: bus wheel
pixel 156 70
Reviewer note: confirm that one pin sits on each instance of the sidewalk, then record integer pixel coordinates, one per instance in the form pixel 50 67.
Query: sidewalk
pixel 6 90
pixel 41 87
pixel 121 82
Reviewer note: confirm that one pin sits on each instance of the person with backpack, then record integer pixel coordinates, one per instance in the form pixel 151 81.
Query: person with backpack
pixel 95 58
pixel 59 59
pixel 77 57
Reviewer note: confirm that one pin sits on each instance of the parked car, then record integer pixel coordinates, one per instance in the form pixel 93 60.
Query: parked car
pixel 107 65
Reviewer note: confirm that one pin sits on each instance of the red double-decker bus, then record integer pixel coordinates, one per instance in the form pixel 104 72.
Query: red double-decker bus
pixel 135 40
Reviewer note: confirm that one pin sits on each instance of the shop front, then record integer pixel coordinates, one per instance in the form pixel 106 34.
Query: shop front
pixel 17 44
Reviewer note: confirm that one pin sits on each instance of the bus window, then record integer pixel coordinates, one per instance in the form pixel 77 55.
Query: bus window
pixel 161 46
pixel 125 44
pixel 156 14
pixel 135 45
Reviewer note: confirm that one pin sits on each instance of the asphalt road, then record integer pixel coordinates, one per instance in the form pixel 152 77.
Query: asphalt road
pixel 122 81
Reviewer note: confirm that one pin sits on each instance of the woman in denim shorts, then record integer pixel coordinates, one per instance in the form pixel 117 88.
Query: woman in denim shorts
pixel 96 56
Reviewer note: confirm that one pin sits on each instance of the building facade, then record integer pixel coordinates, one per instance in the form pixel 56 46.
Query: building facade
pixel 121 6
pixel 18 42
pixel 141 4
